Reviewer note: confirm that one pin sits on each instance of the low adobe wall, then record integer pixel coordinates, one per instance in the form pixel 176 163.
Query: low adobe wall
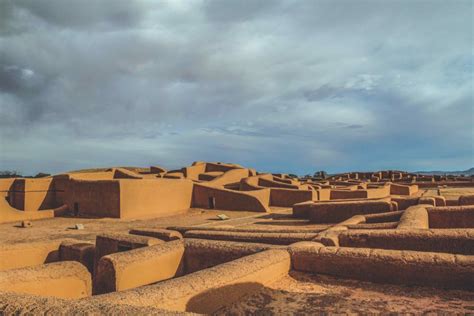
pixel 208 290
pixel 267 238
pixel 383 217
pixel 451 217
pixel 399 189
pixel 335 212
pixel 28 254
pixel 110 243
pixel 202 254
pixel 270 183
pixel 163 234
pixel 386 266
pixel 142 266
pixel 154 197
pixel 466 200
pixel 27 304
pixel 225 199
pixel 415 217
pixel 82 252
pixel 289 197
pixel 231 176
pixel 432 240
pixel 67 279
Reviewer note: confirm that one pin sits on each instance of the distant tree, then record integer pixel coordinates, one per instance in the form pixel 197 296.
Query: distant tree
pixel 42 175
pixel 9 174
pixel 320 174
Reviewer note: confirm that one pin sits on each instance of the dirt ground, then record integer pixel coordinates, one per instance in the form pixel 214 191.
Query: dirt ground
pixel 305 294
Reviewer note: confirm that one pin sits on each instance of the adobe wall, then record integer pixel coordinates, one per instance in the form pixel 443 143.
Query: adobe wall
pixel 142 266
pixel 451 217
pixel 67 279
pixel 432 240
pixel 263 182
pixel 28 254
pixel 94 198
pixel 386 266
pixel 32 194
pixel 208 290
pixel 231 176
pixel 225 199
pixel 398 189
pixel 256 237
pixel 415 217
pixel 193 172
pixel 24 304
pixel 202 254
pixel 466 200
pixel 110 243
pixel 154 198
pixel 335 212
pixel 289 197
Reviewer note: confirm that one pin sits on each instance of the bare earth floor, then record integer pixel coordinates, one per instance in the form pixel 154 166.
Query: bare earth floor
pixel 303 294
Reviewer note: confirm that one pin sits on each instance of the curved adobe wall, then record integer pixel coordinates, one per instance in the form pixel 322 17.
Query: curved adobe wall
pixel 386 266
pixel 208 290
pixel 67 279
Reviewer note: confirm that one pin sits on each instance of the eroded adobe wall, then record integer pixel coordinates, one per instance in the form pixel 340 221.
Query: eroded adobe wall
pixel 429 240
pixel 224 199
pixel 100 198
pixel 288 197
pixel 386 266
pixel 28 254
pixel 154 198
pixel 451 217
pixel 208 290
pixel 334 212
pixel 67 279
pixel 130 269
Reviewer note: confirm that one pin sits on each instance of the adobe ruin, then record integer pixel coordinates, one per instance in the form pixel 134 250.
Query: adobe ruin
pixel 151 242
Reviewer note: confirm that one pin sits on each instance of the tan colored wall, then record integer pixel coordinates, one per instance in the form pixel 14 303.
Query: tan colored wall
pixel 432 240
pixel 398 189
pixel 225 199
pixel 208 290
pixel 451 217
pixel 386 266
pixel 202 254
pixel 193 172
pixel 256 237
pixel 466 200
pixel 97 198
pixel 263 182
pixel 60 279
pixel 154 198
pixel 28 254
pixel 231 176
pixel 415 217
pixel 25 304
pixel 142 266
pixel 289 197
pixel 32 194
pixel 334 212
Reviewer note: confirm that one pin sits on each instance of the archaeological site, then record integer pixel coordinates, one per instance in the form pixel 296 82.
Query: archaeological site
pixel 220 238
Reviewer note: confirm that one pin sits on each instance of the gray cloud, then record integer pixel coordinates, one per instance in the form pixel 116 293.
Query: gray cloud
pixel 279 85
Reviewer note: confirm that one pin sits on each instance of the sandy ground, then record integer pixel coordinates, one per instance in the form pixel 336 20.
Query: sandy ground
pixel 60 227
pixel 305 294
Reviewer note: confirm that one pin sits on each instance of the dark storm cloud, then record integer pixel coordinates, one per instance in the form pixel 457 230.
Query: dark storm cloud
pixel 279 85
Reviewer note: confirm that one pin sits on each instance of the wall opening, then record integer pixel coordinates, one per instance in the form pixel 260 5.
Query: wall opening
pixel 212 202
pixel 76 208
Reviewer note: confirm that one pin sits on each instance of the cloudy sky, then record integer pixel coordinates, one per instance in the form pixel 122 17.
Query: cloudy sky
pixel 293 86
